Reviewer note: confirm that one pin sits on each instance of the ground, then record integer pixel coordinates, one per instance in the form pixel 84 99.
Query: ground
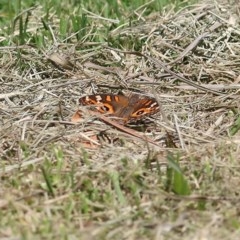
pixel 173 176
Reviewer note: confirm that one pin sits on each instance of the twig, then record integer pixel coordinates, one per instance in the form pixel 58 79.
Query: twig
pixel 116 125
pixel 179 133
pixel 195 42
pixel 162 65
pixel 11 94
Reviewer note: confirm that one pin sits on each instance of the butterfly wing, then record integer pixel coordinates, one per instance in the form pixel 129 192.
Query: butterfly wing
pixel 145 107
pixel 105 103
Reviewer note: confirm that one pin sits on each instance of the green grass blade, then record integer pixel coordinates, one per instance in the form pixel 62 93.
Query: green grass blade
pixel 176 180
pixel 48 181
pixel 115 181
pixel 235 127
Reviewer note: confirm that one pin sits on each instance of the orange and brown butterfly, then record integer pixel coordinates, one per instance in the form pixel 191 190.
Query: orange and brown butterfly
pixel 125 109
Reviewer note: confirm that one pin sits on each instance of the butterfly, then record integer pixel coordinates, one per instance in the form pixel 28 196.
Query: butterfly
pixel 125 109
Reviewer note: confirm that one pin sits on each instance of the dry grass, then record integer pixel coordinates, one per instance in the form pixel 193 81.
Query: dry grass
pixel 120 187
